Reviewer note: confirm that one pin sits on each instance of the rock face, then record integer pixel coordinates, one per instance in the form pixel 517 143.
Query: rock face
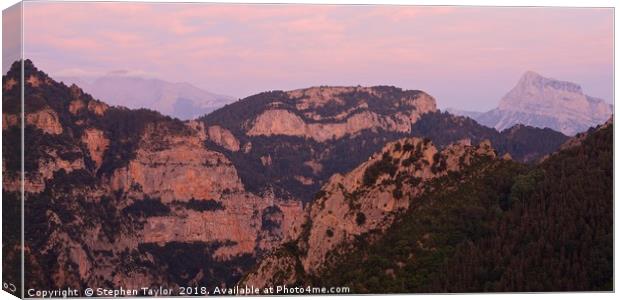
pixel 115 195
pixel 46 120
pixel 223 137
pixel 294 141
pixel 97 143
pixel 351 121
pixel 544 102
pixel 362 201
pixel 172 166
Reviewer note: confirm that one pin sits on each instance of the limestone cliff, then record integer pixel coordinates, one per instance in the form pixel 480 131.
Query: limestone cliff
pixel 111 193
pixel 351 118
pixel 365 200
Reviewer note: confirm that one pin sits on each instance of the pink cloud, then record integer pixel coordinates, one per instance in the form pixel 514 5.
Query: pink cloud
pixel 279 46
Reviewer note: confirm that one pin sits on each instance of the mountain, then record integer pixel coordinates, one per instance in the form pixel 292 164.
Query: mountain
pixel 292 142
pixel 199 202
pixel 361 203
pixel 179 100
pixel 545 102
pixel 119 197
pixel 416 219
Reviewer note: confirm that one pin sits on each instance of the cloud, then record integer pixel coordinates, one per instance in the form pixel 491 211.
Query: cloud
pixel 238 49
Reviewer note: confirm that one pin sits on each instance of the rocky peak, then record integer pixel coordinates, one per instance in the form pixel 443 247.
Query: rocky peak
pixel 546 102
pixel 365 200
pixel 531 78
pixel 534 89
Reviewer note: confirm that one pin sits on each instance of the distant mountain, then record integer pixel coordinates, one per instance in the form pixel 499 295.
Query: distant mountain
pixel 545 102
pixel 179 100
pixel 464 113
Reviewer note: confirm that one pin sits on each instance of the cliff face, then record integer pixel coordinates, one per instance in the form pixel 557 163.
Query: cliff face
pixel 113 194
pixel 546 102
pixel 294 141
pixel 361 202
pixel 348 118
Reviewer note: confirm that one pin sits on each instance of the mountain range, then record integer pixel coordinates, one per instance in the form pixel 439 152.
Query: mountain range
pixel 414 218
pixel 545 103
pixel 297 179
pixel 179 100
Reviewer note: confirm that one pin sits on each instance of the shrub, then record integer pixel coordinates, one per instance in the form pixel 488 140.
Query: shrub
pixel 360 218
pixel 384 166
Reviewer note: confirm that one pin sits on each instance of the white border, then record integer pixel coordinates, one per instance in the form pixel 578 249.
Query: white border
pixel 574 3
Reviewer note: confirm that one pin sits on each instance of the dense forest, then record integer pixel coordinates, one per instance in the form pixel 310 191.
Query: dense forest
pixel 498 226
pixel 523 143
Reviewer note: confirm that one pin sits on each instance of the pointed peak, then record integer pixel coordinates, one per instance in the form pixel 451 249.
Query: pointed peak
pixel 531 74
pixel 29 69
pixel 532 78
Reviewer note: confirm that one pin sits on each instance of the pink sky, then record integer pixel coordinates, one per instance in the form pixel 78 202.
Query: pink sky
pixel 466 57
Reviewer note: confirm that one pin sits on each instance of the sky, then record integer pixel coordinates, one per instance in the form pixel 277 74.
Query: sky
pixel 465 57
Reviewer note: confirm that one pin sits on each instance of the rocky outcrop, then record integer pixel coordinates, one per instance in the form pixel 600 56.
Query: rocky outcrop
pixel 46 120
pixel 172 166
pixel 365 200
pixel 96 143
pixel 76 106
pixel 349 121
pixel 97 107
pixel 223 137
pixel 35 182
pixel 283 122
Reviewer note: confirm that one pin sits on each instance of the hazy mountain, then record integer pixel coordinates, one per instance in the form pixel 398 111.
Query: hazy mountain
pixel 179 100
pixel 464 113
pixel 545 102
